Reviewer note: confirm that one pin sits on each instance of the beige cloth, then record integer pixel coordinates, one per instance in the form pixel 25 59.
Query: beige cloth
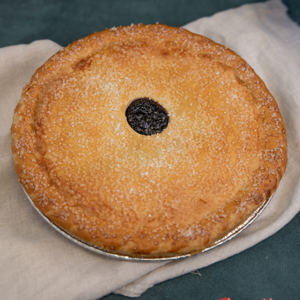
pixel 37 262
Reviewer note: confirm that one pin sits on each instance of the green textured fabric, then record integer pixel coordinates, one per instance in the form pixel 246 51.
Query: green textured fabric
pixel 271 269
pixel 64 21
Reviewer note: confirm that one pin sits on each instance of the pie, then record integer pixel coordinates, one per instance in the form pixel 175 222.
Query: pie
pixel 205 148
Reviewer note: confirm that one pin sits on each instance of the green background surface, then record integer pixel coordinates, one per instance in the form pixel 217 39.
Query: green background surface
pixel 270 269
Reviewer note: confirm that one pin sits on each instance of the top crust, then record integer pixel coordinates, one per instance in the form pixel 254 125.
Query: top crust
pixel 220 158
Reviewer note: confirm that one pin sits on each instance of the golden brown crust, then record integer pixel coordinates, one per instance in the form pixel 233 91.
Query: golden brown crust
pixel 221 156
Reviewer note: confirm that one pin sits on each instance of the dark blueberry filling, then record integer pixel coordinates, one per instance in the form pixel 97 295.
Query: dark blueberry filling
pixel 146 116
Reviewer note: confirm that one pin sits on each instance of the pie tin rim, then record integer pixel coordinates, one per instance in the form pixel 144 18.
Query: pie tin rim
pixel 235 231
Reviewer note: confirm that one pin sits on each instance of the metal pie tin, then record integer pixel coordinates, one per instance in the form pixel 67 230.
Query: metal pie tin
pixel 98 250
